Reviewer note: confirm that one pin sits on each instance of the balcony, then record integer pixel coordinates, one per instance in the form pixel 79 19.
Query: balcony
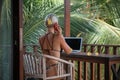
pixel 88 70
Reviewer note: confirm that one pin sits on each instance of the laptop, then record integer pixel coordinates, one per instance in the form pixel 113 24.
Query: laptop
pixel 75 43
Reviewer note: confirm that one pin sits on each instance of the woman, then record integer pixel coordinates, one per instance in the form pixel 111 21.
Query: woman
pixel 52 42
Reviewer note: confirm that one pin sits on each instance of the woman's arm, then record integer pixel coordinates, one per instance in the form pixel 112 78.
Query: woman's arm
pixel 65 46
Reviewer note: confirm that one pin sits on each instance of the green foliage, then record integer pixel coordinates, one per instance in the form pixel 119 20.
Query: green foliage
pixel 97 21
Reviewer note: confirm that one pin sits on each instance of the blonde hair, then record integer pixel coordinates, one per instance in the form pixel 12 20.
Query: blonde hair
pixel 50 19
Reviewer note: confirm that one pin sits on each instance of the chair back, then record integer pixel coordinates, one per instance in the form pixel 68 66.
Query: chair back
pixel 35 67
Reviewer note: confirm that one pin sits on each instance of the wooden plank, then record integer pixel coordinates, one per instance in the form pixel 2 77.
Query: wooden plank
pixel 98 71
pixel 92 65
pixel 85 65
pixel 35 48
pixel 114 52
pixel 99 65
pixel 79 70
pixel 92 68
pixel 106 49
pixel 21 74
pixel 85 71
pixel 107 71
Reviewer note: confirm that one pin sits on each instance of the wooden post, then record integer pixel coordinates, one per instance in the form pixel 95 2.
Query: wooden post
pixel 21 75
pixel 17 19
pixel 67 17
pixel 15 36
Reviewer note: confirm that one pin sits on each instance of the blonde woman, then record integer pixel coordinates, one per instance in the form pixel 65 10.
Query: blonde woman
pixel 52 42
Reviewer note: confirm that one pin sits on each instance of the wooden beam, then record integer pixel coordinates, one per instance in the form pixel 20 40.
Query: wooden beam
pixel 15 35
pixel 21 75
pixel 17 19
pixel 67 17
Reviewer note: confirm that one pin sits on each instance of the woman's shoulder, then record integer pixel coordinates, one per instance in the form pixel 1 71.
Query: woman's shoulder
pixel 59 36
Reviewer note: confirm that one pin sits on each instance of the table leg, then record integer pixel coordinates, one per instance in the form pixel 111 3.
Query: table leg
pixel 107 71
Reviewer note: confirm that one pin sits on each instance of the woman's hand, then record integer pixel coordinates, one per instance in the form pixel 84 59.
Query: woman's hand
pixel 57 29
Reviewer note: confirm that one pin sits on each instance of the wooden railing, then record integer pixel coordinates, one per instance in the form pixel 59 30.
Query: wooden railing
pixel 95 71
pixel 85 70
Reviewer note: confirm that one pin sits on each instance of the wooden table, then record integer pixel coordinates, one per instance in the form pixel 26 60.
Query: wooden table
pixel 105 59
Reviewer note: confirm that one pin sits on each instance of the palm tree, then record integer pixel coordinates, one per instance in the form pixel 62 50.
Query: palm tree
pixel 98 17
pixel 91 22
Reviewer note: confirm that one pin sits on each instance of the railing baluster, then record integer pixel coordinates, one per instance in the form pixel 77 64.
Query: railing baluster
pixel 79 70
pixel 114 50
pixel 92 49
pixel 98 65
pixel 106 49
pixel 24 49
pixel 92 65
pixel 35 48
pixel 85 71
pixel 85 48
pixel 99 49
pixel 85 65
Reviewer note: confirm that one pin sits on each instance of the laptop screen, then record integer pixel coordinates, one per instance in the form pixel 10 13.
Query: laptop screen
pixel 74 42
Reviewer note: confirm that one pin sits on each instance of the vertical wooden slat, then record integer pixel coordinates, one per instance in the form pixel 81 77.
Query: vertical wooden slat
pixel 85 48
pixel 98 72
pixel 74 71
pixel 107 71
pixel 92 49
pixel 30 64
pixel 21 40
pixel 79 70
pixel 114 50
pixel 114 53
pixel 24 49
pixel 27 63
pixel 85 65
pixel 99 49
pixel 98 65
pixel 67 17
pixel 92 65
pixel 85 71
pixel 36 65
pixel 106 49
pixel 35 48
pixel 33 64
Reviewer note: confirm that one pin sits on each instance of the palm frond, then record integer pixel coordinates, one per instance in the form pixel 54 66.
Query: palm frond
pixel 34 17
pixel 106 34
pixel 85 21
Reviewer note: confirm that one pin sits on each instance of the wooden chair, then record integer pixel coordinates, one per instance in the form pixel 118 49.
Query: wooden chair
pixel 35 67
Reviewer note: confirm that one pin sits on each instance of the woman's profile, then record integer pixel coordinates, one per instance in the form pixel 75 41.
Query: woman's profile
pixel 52 42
